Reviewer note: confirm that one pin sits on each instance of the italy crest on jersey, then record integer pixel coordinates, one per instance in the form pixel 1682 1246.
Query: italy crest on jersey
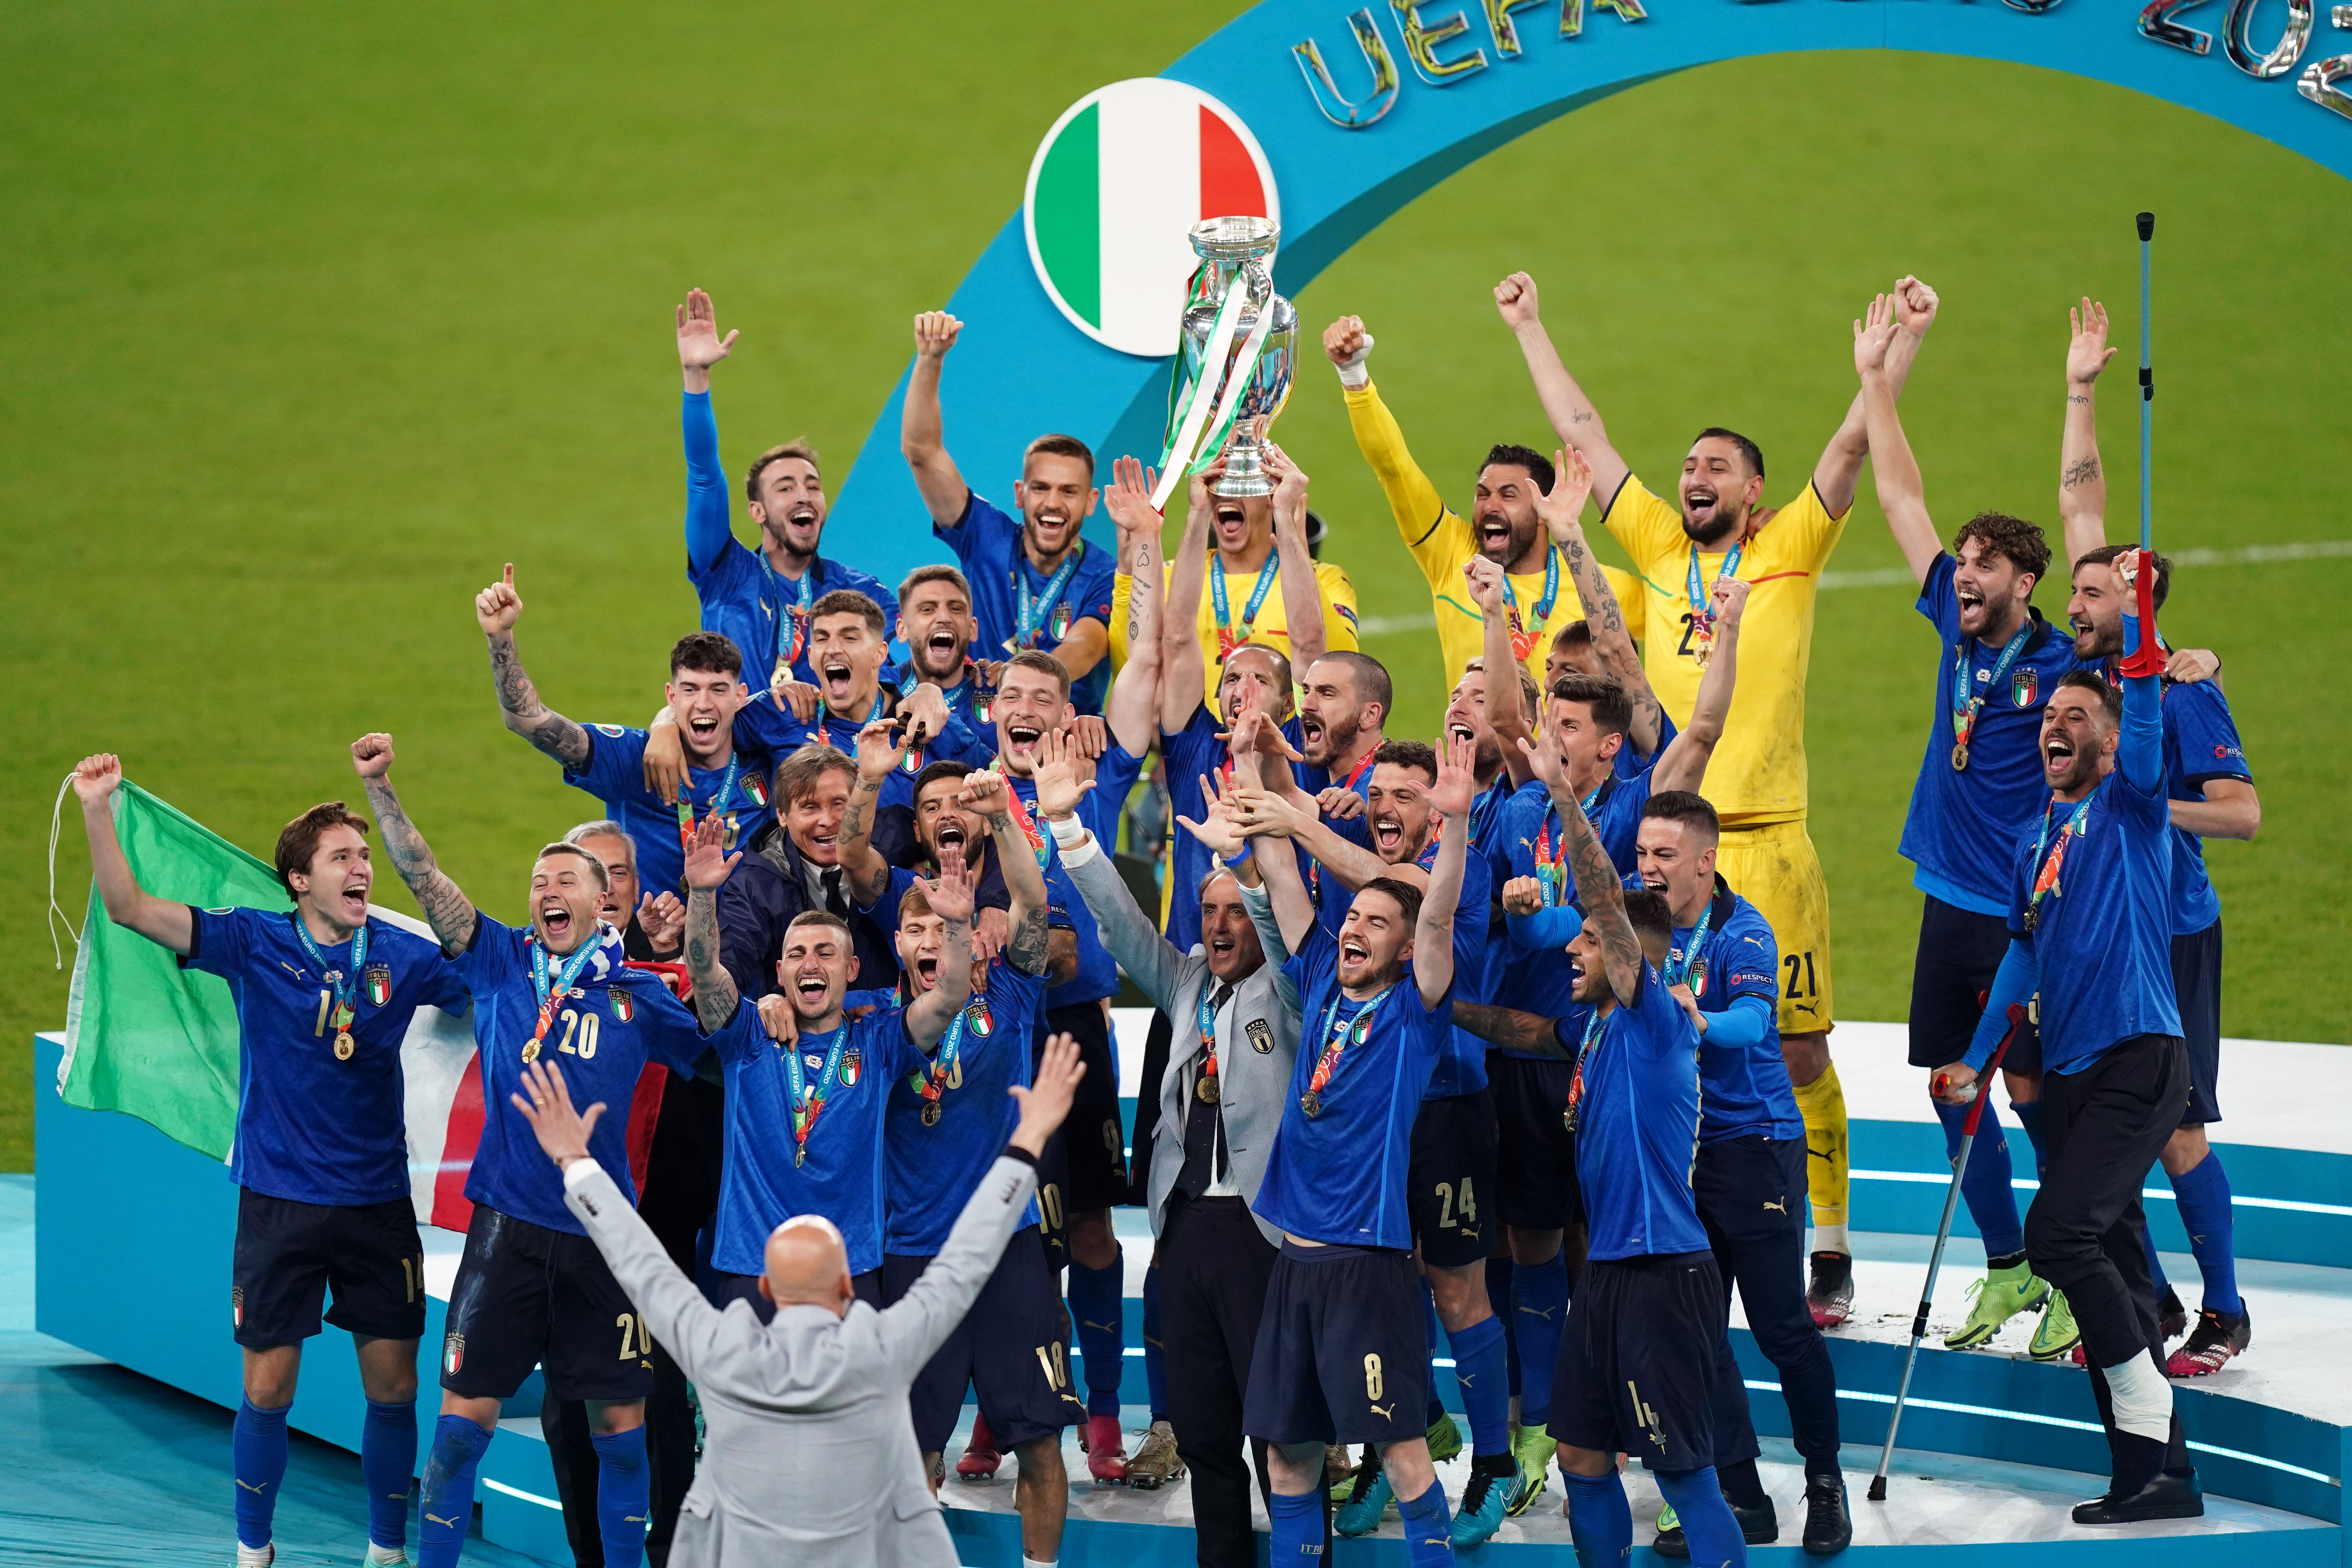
pixel 756 787
pixel 625 1007
pixel 852 1063
pixel 979 1019
pixel 1697 979
pixel 379 984
pixel 2024 685
pixel 983 711
pixel 1061 623
pixel 453 1353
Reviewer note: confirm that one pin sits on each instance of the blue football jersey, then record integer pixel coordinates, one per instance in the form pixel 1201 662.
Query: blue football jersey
pixel 2200 744
pixel 1637 1127
pixel 763 725
pixel 1745 1091
pixel 1099 809
pixel 987 542
pixel 614 1021
pixel 762 1185
pixel 312 1126
pixel 1963 823
pixel 1339 1175
pixel 616 775
pixel 1190 754
pixel 1537 977
pixel 1631 763
pixel 938 1148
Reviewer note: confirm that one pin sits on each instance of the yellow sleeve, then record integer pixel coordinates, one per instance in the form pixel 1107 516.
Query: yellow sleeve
pixel 1339 610
pixel 1811 532
pixel 1631 603
pixel 1430 531
pixel 1122 589
pixel 1649 528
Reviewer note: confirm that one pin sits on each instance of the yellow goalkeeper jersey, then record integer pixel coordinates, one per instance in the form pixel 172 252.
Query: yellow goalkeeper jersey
pixel 1758 773
pixel 1442 545
pixel 1271 628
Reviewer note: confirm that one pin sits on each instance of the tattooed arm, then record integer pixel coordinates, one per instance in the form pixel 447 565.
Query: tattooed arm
pixel 1512 1029
pixel 496 608
pixel 1604 898
pixel 715 996
pixel 1027 948
pixel 878 756
pixel 1182 673
pixel 1302 591
pixel 2081 484
pixel 1684 767
pixel 1602 615
pixel 452 916
pixel 1133 709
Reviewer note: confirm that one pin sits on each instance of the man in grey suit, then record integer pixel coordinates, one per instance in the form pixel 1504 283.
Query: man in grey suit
pixel 1221 1100
pixel 802 1407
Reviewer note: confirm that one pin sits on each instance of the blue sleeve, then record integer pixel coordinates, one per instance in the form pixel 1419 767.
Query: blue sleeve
pixel 762 726
pixel 491 958
pixel 1936 599
pixel 1090 592
pixel 708 533
pixel 218 944
pixel 2204 736
pixel 1318 956
pixel 1742 1025
pixel 1546 931
pixel 972 531
pixel 1101 807
pixel 959 742
pixel 444 987
pixel 1665 1028
pixel 739 1038
pixel 2019 978
pixel 616 765
pixel 673 1031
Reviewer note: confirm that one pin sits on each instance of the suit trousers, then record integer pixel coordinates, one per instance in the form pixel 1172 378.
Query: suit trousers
pixel 1214 1268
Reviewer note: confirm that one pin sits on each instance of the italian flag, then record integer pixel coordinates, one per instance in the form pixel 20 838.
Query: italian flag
pixel 1115 186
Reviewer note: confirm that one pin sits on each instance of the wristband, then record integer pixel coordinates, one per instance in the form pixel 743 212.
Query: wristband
pixel 1068 831
pixel 1352 373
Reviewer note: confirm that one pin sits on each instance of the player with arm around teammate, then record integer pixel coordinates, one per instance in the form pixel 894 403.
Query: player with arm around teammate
pixel 323 996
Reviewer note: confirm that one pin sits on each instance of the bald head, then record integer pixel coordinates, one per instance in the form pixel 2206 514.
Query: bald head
pixel 807 1265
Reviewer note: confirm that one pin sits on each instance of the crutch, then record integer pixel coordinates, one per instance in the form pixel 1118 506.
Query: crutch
pixel 2146 222
pixel 1943 1234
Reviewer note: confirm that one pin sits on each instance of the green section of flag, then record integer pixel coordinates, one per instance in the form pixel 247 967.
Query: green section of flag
pixel 143 1036
pixel 1068 213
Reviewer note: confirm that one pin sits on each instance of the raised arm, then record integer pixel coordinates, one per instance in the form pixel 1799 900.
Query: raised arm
pixel 1604 898
pixel 1150 959
pixel 950 896
pixel 1413 500
pixel 1302 592
pixel 1573 418
pixel 1291 816
pixel 707 867
pixel 1132 710
pixel 496 609
pixel 2139 756
pixel 1841 462
pixel 921 440
pixel 1902 495
pixel 2081 484
pixel 1603 615
pixel 1025 884
pixel 446 909
pixel 1182 669
pixel 160 921
pixel 1432 937
pixel 1684 764
pixel 699 347
pixel 1501 663
pixel 1512 1029
pixel 879 754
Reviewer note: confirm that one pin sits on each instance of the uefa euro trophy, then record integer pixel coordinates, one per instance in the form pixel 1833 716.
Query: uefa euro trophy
pixel 1240 349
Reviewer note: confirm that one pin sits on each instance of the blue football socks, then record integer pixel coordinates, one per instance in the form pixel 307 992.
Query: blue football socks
pixel 256 1447
pixel 1599 1522
pixel 625 1486
pixel 387 1464
pixel 1539 1309
pixel 1095 1304
pixel 1155 1357
pixel 445 1505
pixel 1992 1201
pixel 1297 1529
pixel 2205 1213
pixel 1713 1535
pixel 1481 1372
pixel 1428 1527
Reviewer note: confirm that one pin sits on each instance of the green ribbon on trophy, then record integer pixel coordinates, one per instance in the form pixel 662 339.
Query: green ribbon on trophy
pixel 1213 385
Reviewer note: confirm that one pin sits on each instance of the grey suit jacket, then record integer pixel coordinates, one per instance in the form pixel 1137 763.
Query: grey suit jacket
pixel 1257 1033
pixel 810 1458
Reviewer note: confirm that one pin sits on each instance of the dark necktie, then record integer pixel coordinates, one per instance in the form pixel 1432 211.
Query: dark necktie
pixel 833 902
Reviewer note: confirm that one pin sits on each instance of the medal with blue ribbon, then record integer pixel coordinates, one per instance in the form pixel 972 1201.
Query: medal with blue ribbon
pixel 346 985
pixel 797 613
pixel 1678 972
pixel 1336 1038
pixel 1967 706
pixel 932 1086
pixel 1031 612
pixel 1523 642
pixel 1592 1028
pixel 1553 873
pixel 1702 617
pixel 2046 879
pixel 552 994
pixel 1226 639
pixel 717 804
pixel 808 1099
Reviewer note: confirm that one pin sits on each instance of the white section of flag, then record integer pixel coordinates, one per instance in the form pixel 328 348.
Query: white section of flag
pixel 433 1057
pixel 1150 135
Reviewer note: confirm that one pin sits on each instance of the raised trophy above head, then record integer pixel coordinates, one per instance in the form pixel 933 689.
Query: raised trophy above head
pixel 1233 369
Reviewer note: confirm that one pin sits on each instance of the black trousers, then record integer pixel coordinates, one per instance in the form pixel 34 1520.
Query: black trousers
pixel 680 1198
pixel 1214 1268
pixel 1749 1193
pixel 2104 1127
pixel 1156 1044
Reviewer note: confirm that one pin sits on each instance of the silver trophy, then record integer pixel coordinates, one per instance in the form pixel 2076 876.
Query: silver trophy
pixel 1237 253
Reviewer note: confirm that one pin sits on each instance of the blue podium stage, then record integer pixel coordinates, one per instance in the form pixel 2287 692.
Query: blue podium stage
pixel 134 1232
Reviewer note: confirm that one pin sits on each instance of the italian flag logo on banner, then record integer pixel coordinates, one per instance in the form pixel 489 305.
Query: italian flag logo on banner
pixel 1116 183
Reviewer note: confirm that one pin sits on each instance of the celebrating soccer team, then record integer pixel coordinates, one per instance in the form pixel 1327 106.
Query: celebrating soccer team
pixel 1519 1033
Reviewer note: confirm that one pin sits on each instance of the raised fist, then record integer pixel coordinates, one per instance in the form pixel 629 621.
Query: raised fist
pixel 1515 297
pixel 371 755
pixel 95 778
pixel 1346 342
pixel 935 334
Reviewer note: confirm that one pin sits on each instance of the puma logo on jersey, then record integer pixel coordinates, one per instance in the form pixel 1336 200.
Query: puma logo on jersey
pixel 1782 1206
pixel 1386 1412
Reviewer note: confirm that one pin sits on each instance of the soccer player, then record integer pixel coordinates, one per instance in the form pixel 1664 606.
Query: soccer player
pixel 1503 526
pixel 704 695
pixel 530 1290
pixel 1979 787
pixel 1342 1356
pixel 1715 527
pixel 2091 917
pixel 323 996
pixel 2212 793
pixel 1750 1172
pixel 1036 585
pixel 759 599
pixel 935 622
pixel 1343 706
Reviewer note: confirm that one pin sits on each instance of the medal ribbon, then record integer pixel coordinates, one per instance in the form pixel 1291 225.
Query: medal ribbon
pixel 1702 617
pixel 798 613
pixel 1553 873
pixel 1039 844
pixel 548 996
pixel 1679 974
pixel 932 1085
pixel 1964 708
pixel 1030 614
pixel 808 1099
pixel 1583 1051
pixel 1315 868
pixel 2046 880
pixel 1208 1022
pixel 1523 643
pixel 1227 640
pixel 346 985
pixel 717 804
pixel 1336 1039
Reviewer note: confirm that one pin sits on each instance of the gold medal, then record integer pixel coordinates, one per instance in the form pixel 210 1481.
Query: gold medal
pixel 931 1113
pixel 1702 650
pixel 800 1156
pixel 1960 756
pixel 1311 1104
pixel 531 1053
pixel 1205 1091
pixel 344 1046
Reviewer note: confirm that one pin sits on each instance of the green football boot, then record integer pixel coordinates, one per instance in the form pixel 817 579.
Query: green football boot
pixel 1444 1439
pixel 1997 1297
pixel 1533 1449
pixel 2057 1333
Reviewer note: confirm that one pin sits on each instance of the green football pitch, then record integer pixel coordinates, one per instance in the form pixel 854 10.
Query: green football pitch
pixel 315 317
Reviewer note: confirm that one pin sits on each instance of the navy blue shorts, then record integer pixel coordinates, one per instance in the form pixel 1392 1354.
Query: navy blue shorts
pixel 1960 952
pixel 528 1296
pixel 1093 1139
pixel 1535 1153
pixel 1012 1348
pixel 2197 988
pixel 746 1287
pixel 1637 1361
pixel 1452 1180
pixel 289 1253
pixel 1341 1353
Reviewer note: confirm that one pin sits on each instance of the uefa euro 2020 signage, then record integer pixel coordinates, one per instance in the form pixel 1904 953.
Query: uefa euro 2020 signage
pixel 1325 119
